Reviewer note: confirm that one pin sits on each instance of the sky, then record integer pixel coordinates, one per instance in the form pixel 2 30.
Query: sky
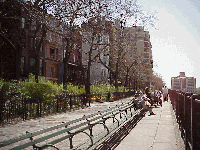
pixel 176 39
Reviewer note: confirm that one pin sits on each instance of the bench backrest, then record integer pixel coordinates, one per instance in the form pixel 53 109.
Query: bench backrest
pixel 80 125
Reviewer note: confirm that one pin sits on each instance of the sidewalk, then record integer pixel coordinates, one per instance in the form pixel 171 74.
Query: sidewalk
pixel 156 132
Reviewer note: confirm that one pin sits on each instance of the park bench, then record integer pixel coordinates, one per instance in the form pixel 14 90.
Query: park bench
pixel 50 137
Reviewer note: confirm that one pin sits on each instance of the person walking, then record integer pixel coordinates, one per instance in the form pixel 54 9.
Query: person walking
pixel 159 98
pixel 165 93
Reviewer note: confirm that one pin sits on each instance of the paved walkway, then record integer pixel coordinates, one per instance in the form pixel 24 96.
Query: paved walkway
pixel 151 133
pixel 156 132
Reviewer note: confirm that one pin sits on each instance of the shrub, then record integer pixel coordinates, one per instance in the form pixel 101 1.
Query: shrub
pixel 74 89
pixel 47 90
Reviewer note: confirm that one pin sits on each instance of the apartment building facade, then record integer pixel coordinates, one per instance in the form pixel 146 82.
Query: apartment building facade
pixel 183 83
pixel 45 45
pixel 100 51
pixel 140 47
pixel 39 47
pixel 53 48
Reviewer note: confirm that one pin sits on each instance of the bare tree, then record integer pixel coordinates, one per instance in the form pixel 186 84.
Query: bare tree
pixel 12 36
pixel 77 14
pixel 157 81
pixel 124 14
pixel 74 13
pixel 95 45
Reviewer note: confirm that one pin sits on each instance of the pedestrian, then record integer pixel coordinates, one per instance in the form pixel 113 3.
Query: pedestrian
pixel 146 105
pixel 159 98
pixel 148 94
pixel 135 100
pixel 165 93
pixel 155 97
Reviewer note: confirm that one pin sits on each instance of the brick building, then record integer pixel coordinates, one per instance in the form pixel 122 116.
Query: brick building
pixel 183 83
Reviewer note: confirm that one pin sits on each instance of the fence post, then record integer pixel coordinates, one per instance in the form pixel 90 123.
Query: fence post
pixel 191 129
pixel 40 105
pixel 184 125
pixel 187 119
pixel 57 97
pixel 177 107
pixel 193 120
pixel 25 109
pixel 1 106
pixel 196 123
pixel 70 101
pixel 109 96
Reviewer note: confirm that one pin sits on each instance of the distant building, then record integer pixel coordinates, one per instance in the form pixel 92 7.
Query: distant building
pixel 98 72
pixel 183 83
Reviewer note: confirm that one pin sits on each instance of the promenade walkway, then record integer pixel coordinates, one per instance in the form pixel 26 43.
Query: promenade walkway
pixel 156 132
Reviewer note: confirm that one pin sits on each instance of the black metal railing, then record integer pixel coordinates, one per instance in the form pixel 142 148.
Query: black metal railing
pixel 187 109
pixel 17 108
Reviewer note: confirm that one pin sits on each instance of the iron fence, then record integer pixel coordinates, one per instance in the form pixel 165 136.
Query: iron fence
pixel 17 108
pixel 187 109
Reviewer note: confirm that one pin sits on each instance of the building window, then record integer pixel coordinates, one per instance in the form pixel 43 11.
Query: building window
pixel 102 72
pixel 56 54
pixel 51 71
pixel 41 48
pixel 52 53
pixel 41 68
pixel 23 22
pixel 56 37
pixel 33 25
pixel 22 64
pixel 50 36
pixel 32 61
pixel 33 42
pixel 74 58
pixel 64 53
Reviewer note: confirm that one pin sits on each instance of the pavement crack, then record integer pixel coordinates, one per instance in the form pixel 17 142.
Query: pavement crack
pixel 156 130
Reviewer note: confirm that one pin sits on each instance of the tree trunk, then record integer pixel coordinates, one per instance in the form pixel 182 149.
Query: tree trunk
pixel 88 77
pixel 116 77
pixel 65 65
pixel 64 72
pixel 18 56
pixel 87 87
pixel 37 67
pixel 126 81
pixel 37 49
